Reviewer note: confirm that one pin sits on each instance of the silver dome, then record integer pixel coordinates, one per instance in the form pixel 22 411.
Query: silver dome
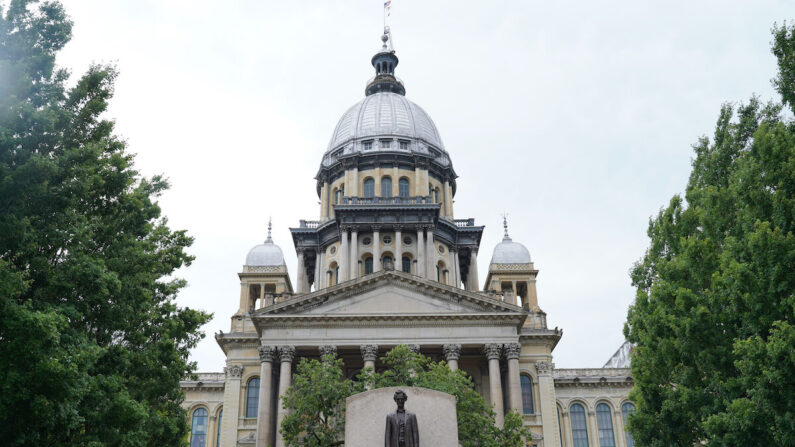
pixel 385 114
pixel 267 254
pixel 510 252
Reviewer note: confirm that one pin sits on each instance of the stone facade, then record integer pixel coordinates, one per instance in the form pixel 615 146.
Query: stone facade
pixel 387 264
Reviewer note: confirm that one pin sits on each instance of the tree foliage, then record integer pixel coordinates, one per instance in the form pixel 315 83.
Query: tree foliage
pixel 714 362
pixel 316 400
pixel 92 346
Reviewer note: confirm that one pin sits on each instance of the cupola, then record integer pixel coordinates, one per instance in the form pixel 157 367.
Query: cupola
pixel 384 63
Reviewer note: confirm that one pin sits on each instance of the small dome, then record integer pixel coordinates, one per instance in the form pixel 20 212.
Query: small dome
pixel 510 252
pixel 267 254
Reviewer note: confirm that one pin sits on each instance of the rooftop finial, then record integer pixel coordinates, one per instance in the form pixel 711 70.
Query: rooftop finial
pixel 269 240
pixel 505 225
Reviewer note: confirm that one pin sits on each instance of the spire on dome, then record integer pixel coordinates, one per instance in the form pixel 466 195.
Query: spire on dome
pixel 384 63
pixel 269 240
pixel 505 237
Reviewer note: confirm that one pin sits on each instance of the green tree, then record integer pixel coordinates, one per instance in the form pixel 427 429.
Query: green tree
pixel 92 346
pixel 317 400
pixel 715 307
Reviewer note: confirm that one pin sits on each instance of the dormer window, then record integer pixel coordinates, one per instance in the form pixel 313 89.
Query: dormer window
pixel 367 145
pixel 386 144
pixel 404 145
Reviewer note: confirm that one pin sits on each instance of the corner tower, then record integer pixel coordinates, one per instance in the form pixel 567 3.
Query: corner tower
pixel 386 186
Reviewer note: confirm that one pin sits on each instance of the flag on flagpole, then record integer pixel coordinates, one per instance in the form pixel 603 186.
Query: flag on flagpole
pixel 388 7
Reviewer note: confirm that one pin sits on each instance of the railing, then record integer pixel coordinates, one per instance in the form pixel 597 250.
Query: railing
pixel 309 223
pixel 464 222
pixel 417 200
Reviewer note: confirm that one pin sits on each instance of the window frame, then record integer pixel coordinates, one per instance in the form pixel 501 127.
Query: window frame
pixel 249 397
pixel 198 439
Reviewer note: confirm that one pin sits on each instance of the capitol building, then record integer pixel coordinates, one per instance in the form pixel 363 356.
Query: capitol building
pixel 387 262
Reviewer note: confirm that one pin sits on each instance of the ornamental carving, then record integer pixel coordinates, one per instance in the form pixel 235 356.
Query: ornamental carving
pixel 452 352
pixel 544 368
pixel 328 350
pixel 493 351
pixel 414 348
pixel 512 350
pixel 369 352
pixel 266 353
pixel 287 353
pixel 234 371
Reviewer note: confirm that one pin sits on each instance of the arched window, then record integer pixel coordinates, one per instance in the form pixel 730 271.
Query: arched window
pixel 627 409
pixel 218 431
pixel 198 428
pixel 527 394
pixel 369 187
pixel 336 275
pixel 252 397
pixel 386 187
pixel 436 195
pixel 604 421
pixel 368 265
pixel 406 264
pixel 387 260
pixel 579 430
pixel 403 187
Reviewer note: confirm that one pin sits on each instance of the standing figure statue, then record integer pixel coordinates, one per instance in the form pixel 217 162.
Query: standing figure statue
pixel 401 426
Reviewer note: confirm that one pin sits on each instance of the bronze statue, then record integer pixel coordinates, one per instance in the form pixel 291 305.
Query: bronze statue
pixel 401 426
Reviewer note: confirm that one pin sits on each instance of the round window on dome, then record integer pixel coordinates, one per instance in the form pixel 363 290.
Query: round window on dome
pixel 367 241
pixel 441 249
pixel 387 240
pixel 332 250
pixel 407 240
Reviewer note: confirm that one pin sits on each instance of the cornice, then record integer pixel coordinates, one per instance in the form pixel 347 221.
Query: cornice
pixel 410 320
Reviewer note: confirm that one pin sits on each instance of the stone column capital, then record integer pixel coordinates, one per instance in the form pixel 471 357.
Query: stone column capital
pixel 493 351
pixel 544 368
pixel 369 352
pixel 266 353
pixel 452 351
pixel 328 350
pixel 234 371
pixel 512 350
pixel 376 228
pixel 286 354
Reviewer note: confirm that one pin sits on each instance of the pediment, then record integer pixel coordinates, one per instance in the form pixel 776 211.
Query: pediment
pixel 390 293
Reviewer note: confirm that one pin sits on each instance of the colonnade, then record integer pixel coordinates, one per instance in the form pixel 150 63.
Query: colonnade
pixel 285 356
pixel 425 262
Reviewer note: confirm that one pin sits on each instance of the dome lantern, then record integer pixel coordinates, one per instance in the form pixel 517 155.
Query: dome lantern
pixel 384 63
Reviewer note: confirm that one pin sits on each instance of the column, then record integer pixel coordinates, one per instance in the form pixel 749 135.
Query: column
pixel 354 256
pixel 354 189
pixel 264 429
pixel 451 353
pixel 301 271
pixel 512 351
pixel 376 249
pixel 323 202
pixel 546 393
pixel 421 252
pixel 454 281
pixel 369 355
pixel 316 280
pixel 417 182
pixel 321 270
pixel 565 420
pixel 344 252
pixel 231 405
pixel 618 428
pixel 473 270
pixel 447 205
pixel 493 351
pixel 399 250
pixel 286 356
pixel 430 255
pixel 593 427
pixel 327 350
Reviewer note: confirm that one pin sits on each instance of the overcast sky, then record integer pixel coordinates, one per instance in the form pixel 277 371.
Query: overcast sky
pixel 575 118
